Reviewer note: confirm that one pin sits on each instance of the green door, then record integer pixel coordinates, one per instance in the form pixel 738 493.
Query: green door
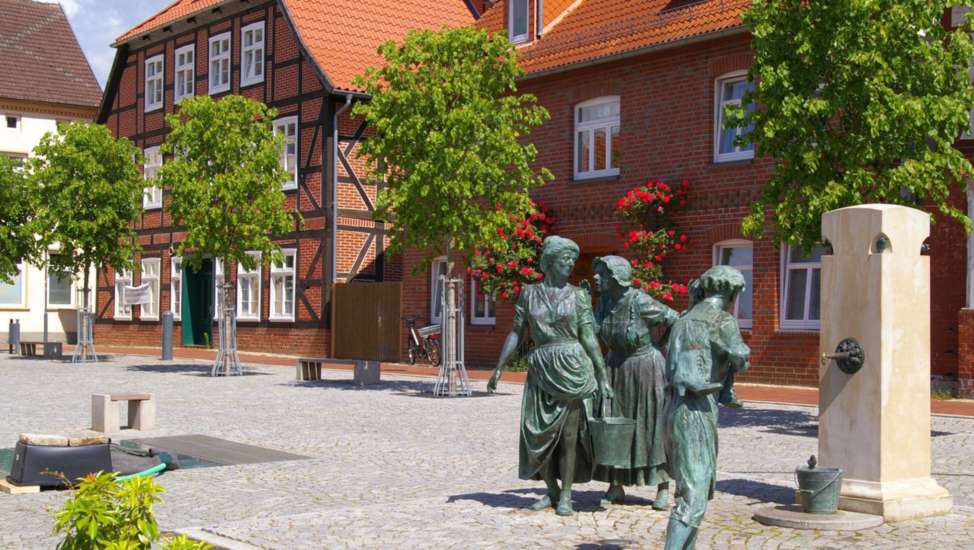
pixel 198 305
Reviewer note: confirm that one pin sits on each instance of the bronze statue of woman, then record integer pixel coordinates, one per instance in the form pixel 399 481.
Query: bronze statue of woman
pixel 565 369
pixel 704 348
pixel 625 318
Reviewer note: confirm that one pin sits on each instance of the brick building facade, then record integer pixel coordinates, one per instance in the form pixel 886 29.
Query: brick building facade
pixel 299 57
pixel 655 76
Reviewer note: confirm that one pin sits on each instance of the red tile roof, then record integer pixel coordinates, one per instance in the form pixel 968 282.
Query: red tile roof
pixel 597 29
pixel 40 59
pixel 341 35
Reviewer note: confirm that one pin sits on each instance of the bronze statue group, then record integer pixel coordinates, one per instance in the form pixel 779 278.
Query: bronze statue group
pixel 670 387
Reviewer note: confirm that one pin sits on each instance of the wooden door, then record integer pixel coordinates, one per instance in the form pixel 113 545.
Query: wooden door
pixel 367 321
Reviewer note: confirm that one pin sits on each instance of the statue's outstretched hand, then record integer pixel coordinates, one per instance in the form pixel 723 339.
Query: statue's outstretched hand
pixel 606 390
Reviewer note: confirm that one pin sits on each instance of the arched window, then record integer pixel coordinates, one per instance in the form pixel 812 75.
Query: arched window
pixel 597 145
pixel 739 254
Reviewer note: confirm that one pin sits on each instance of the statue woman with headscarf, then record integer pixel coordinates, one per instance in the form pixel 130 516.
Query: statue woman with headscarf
pixel 565 370
pixel 625 321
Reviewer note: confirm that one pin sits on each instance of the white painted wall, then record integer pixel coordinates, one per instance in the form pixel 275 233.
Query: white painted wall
pixel 62 320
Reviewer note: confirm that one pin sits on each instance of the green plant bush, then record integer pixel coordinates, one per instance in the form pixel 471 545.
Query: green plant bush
pixel 111 515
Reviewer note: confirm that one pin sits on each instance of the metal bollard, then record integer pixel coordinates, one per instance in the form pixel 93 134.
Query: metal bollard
pixel 167 336
pixel 13 335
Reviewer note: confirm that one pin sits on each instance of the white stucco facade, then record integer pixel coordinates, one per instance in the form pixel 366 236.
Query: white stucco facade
pixel 23 298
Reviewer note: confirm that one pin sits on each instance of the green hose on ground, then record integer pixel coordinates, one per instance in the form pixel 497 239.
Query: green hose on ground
pixel 151 471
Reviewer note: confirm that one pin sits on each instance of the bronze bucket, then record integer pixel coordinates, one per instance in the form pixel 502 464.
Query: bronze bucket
pixel 612 438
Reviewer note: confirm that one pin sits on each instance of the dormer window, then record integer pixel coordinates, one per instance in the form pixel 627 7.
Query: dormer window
pixel 518 21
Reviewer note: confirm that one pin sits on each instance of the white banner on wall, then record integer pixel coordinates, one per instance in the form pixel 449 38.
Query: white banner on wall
pixel 138 295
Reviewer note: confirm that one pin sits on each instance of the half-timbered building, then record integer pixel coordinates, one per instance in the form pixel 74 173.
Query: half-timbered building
pixel 300 57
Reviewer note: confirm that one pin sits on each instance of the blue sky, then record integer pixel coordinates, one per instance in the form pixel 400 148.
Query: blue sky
pixel 97 22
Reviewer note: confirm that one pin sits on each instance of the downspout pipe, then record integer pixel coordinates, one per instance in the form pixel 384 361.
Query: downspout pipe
pixel 538 17
pixel 334 193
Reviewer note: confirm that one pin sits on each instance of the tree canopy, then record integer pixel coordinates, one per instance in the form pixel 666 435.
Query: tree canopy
pixel 16 240
pixel 449 144
pixel 87 191
pixel 858 101
pixel 225 177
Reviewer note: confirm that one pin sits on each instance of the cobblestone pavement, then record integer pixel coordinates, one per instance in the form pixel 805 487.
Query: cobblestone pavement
pixel 392 467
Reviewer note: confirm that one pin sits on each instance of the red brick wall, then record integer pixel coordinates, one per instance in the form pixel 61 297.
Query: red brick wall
pixel 667 120
pixel 965 349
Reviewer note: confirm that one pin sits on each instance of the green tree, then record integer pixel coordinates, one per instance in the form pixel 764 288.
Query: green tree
pixel 859 101
pixel 17 243
pixel 86 191
pixel 449 143
pixel 225 178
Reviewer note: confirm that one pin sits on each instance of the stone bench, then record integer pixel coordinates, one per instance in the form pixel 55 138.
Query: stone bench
pixel 365 372
pixel 105 411
pixel 29 349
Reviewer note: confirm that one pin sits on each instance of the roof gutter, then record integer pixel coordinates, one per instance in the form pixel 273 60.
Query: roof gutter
pixel 732 31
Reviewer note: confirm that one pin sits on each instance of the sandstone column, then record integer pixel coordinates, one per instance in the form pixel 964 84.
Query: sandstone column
pixel 875 423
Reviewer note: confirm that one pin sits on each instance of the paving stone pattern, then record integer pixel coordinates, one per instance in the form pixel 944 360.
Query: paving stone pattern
pixel 395 468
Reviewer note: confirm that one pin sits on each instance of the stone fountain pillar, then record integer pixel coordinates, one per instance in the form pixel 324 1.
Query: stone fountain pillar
pixel 874 422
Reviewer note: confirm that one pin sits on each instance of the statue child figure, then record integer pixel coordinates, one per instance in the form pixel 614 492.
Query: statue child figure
pixel 705 350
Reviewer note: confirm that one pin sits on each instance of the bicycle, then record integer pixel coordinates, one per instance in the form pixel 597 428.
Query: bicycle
pixel 423 342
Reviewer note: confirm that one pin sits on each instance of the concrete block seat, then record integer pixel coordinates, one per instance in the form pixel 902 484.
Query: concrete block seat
pixel 364 373
pixel 105 411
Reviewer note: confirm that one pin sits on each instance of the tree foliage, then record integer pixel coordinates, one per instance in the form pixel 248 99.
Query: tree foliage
pixel 859 101
pixel 16 240
pixel 87 191
pixel 449 141
pixel 225 178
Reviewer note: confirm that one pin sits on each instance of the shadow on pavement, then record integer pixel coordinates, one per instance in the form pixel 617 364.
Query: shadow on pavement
pixel 759 490
pixel 202 370
pixel 782 422
pixel 584 501
pixel 408 388
pixel 608 544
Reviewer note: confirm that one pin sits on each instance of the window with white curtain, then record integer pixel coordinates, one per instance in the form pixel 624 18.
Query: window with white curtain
pixel 437 270
pixel 176 287
pixel 252 54
pixel 801 277
pixel 597 145
pixel 122 280
pixel 481 306
pixel 282 286
pixel 12 293
pixel 248 290
pixel 518 21
pixel 185 84
pixel 288 127
pixel 739 254
pixel 150 275
pixel 153 82
pixel 220 63
pixel 152 194
pixel 730 90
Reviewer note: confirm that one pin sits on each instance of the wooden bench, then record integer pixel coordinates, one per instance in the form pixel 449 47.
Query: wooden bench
pixel 364 372
pixel 105 411
pixel 29 349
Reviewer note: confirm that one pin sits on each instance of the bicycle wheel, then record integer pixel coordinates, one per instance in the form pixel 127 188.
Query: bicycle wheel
pixel 411 354
pixel 434 354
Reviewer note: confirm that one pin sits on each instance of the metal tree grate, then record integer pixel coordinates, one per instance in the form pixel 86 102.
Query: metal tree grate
pixel 227 361
pixel 452 379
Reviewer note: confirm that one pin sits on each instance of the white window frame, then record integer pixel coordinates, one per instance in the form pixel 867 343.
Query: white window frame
pixel 519 38
pixel 72 291
pixel 489 304
pixel 221 61
pixel 217 284
pixel 719 107
pixel 589 128
pixel 281 125
pixel 786 266
pixel 122 311
pixel 22 303
pixel 151 194
pixel 256 50
pixel 242 275
pixel 154 91
pixel 434 285
pixel 154 292
pixel 176 288
pixel 738 243
pixel 184 75
pixel 281 271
